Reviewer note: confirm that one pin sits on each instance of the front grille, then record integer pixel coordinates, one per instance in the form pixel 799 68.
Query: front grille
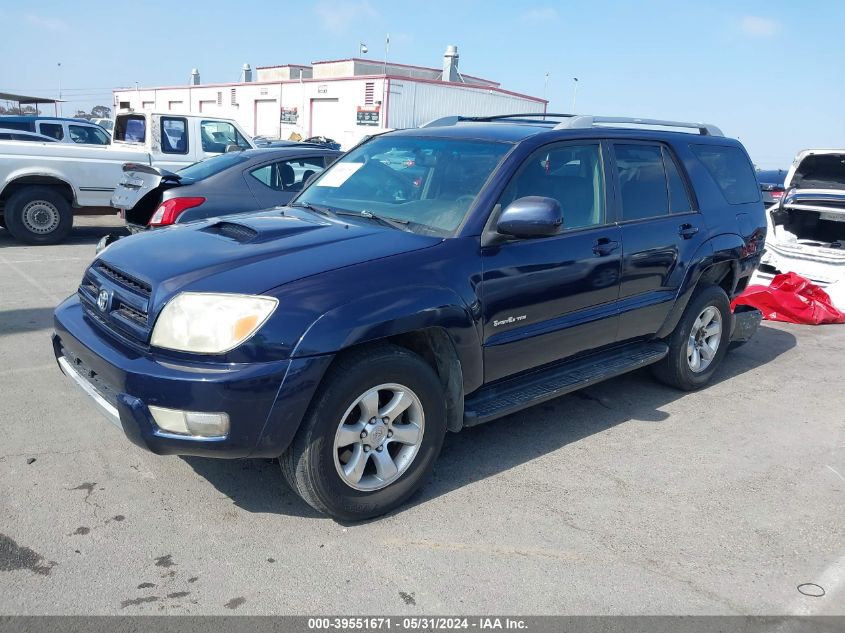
pixel 138 286
pixel 126 312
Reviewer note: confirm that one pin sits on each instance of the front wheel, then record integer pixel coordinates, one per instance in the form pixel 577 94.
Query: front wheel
pixel 371 435
pixel 38 215
pixel 699 341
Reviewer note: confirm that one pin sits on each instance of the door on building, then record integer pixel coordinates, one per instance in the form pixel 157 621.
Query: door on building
pixel 327 120
pixel 267 118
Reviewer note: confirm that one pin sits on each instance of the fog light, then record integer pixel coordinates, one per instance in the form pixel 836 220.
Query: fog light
pixel 191 423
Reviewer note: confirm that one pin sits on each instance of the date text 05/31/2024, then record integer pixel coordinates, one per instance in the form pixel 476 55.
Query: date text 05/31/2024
pixel 414 623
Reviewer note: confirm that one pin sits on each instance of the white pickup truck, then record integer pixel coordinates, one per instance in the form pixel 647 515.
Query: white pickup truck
pixel 43 185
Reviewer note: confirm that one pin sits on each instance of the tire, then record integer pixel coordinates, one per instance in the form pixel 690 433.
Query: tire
pixel 38 215
pixel 320 463
pixel 676 369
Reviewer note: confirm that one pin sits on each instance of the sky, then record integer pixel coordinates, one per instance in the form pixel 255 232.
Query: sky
pixel 770 73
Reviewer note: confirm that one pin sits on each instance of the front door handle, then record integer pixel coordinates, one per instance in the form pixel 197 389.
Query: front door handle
pixel 686 231
pixel 604 246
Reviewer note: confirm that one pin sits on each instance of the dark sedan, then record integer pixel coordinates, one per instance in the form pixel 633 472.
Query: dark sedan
pixel 235 182
pixel 771 185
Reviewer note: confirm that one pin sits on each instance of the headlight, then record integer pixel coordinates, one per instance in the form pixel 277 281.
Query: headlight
pixel 210 323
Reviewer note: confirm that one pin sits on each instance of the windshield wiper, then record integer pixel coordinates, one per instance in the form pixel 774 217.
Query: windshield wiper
pixel 395 223
pixel 311 207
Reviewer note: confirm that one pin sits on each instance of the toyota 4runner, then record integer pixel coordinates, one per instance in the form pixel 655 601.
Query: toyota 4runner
pixel 509 260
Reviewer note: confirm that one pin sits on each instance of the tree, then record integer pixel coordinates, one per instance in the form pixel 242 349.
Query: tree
pixel 101 112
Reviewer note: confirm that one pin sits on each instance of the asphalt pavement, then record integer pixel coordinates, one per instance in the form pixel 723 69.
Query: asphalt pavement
pixel 625 498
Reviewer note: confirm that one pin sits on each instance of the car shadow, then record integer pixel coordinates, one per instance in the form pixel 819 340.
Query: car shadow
pixel 78 235
pixel 489 449
pixel 25 320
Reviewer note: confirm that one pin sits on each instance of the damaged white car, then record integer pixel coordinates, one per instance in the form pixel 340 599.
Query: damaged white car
pixel 807 227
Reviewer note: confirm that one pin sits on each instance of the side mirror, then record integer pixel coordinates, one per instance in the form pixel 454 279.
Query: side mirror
pixel 531 216
pixel 234 148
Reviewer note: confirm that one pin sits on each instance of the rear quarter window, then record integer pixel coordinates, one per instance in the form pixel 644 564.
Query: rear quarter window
pixel 731 170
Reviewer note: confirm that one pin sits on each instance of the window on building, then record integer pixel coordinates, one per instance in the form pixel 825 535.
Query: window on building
pixel 642 181
pixel 174 135
pixel 369 91
pixel 288 175
pixel 731 170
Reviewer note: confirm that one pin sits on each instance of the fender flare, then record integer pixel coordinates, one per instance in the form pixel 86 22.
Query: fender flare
pixel 717 250
pixel 393 313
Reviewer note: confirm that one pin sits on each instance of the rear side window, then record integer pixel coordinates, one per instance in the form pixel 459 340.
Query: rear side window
pixel 642 181
pixel 130 129
pixel 174 135
pixel 678 196
pixel 731 170
pixel 53 130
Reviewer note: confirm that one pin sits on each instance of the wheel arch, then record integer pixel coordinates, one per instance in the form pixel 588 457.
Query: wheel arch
pixel 716 262
pixel 16 183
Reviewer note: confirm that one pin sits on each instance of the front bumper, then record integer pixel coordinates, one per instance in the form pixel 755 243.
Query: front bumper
pixel 265 402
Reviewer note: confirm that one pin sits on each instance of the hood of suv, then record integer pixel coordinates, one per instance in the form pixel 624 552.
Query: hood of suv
pixel 252 253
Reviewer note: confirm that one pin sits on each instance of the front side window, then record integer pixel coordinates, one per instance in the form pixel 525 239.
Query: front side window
pixel 288 175
pixel 87 135
pixel 731 170
pixel 428 182
pixel 570 174
pixel 218 135
pixel 642 181
pixel 174 135
pixel 53 130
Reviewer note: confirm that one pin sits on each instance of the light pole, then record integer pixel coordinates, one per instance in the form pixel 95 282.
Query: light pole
pixel 59 104
pixel 574 93
pixel 545 85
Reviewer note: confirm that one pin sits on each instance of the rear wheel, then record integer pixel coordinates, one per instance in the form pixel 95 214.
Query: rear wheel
pixel 699 342
pixel 38 215
pixel 371 436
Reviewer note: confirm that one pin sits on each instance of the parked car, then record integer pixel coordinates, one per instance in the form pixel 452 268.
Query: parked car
pixel 43 186
pixel 236 182
pixel 76 131
pixel 807 227
pixel 17 135
pixel 322 140
pixel 347 332
pixel 106 124
pixel 771 185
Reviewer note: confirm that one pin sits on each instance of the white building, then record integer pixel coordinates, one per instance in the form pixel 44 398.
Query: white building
pixel 341 99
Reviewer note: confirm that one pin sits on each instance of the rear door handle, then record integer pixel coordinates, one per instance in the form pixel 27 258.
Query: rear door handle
pixel 604 246
pixel 686 231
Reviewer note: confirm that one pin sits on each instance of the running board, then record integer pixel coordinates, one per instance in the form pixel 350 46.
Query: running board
pixel 513 394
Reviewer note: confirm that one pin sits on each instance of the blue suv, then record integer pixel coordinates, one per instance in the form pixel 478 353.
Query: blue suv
pixel 507 261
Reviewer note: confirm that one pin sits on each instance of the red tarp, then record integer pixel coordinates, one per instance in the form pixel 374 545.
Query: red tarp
pixel 792 299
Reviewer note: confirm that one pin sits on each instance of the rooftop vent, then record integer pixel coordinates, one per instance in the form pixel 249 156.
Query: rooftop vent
pixel 246 73
pixel 195 77
pixel 450 64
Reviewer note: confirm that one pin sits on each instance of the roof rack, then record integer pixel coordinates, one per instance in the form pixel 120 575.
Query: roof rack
pixel 584 122
pixel 575 122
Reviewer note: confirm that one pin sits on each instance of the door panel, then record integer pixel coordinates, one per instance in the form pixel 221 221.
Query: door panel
pixel 660 232
pixel 549 298
pixel 546 299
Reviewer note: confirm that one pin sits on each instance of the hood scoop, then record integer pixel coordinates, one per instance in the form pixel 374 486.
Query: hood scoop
pixel 256 230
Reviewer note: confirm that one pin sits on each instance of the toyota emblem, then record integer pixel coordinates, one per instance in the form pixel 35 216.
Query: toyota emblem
pixel 103 300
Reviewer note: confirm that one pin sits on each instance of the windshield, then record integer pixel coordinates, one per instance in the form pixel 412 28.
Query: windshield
pixel 211 166
pixel 428 182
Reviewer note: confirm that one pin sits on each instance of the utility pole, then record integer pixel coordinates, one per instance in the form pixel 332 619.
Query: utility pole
pixel 59 104
pixel 574 94
pixel 545 84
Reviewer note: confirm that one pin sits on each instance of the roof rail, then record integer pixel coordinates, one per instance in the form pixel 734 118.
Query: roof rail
pixel 583 122
pixel 518 117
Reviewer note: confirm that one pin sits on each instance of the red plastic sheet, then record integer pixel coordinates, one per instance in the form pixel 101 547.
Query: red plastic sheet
pixel 793 299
